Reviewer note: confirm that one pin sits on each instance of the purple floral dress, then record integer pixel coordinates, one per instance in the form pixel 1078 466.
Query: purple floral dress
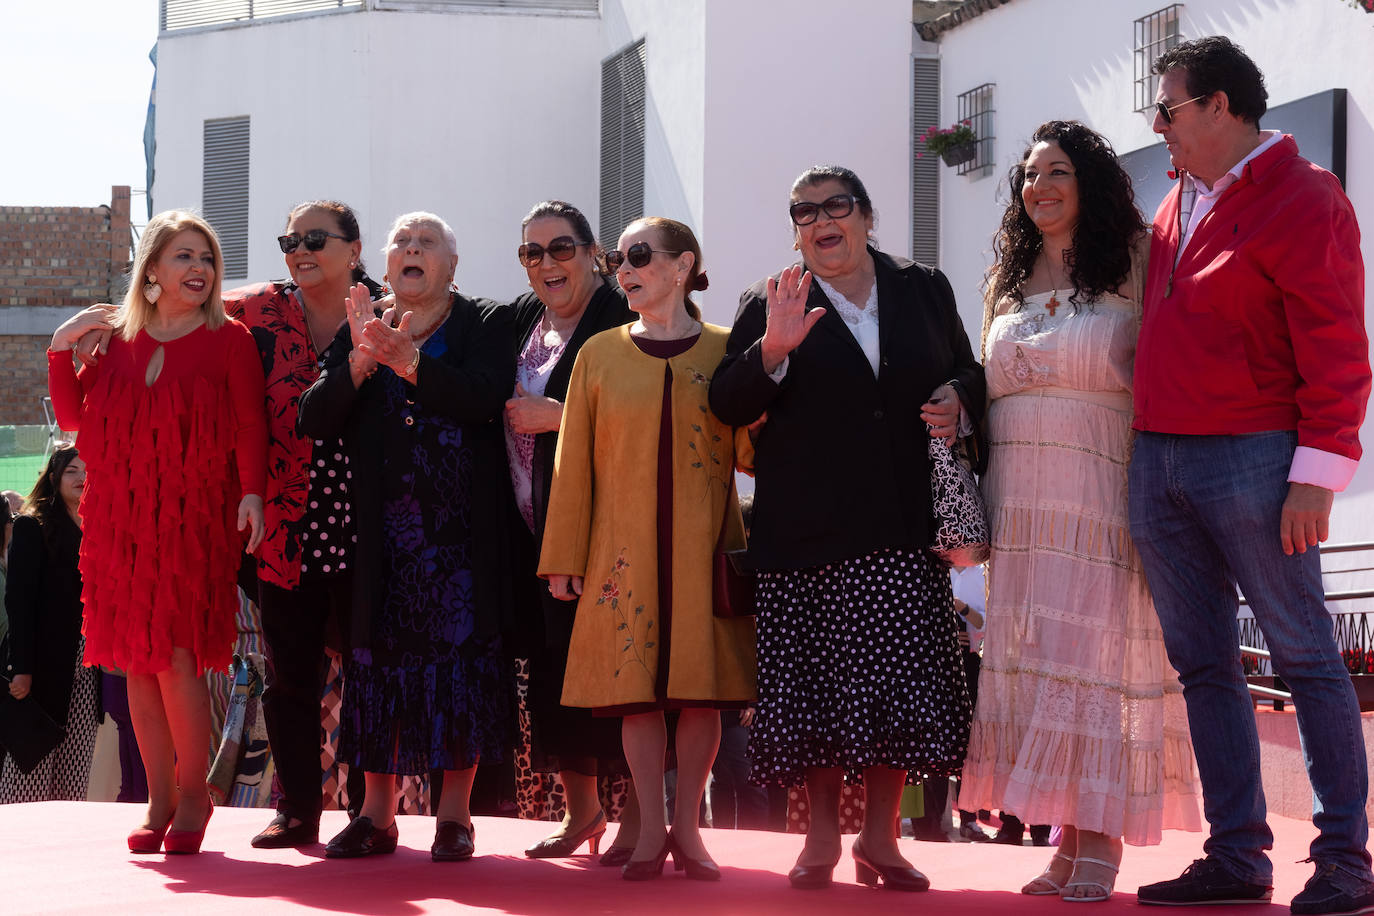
pixel 428 686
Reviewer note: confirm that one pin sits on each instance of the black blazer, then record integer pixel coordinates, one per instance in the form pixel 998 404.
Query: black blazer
pixel 544 619
pixel 841 465
pixel 468 384
pixel 43 600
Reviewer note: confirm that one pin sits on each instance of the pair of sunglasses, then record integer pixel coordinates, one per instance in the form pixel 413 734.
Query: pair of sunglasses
pixel 639 254
pixel 804 212
pixel 1167 111
pixel 313 240
pixel 563 248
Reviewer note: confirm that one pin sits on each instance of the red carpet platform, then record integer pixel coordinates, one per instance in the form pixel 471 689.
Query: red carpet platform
pixel 69 858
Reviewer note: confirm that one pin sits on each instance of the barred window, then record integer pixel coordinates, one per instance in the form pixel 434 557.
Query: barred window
pixel 977 106
pixel 224 191
pixel 1154 34
pixel 622 140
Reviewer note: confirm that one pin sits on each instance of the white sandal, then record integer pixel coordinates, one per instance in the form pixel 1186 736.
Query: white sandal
pixel 1105 888
pixel 1045 878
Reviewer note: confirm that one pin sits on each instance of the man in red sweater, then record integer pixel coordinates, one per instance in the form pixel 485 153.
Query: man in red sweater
pixel 1251 381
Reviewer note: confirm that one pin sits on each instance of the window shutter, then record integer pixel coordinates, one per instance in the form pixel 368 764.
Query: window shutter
pixel 622 140
pixel 224 191
pixel 925 170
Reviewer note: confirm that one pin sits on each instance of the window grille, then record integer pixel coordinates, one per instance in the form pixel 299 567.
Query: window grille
pixel 190 14
pixel 925 170
pixel 622 140
pixel 977 107
pixel 224 191
pixel 1154 34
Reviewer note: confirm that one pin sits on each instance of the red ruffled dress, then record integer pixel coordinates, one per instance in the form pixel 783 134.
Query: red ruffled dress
pixel 167 465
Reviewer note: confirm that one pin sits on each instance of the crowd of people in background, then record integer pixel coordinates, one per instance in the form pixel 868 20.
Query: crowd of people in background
pixel 433 485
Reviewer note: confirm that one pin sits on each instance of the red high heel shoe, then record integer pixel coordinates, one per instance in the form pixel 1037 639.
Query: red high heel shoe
pixel 149 839
pixel 187 841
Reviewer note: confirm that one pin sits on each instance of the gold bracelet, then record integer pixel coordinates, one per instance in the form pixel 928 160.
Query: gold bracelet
pixel 414 365
pixel 366 375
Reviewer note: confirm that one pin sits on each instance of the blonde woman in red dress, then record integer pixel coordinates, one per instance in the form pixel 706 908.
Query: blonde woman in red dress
pixel 172 428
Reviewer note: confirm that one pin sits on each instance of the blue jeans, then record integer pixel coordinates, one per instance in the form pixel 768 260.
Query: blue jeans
pixel 1205 517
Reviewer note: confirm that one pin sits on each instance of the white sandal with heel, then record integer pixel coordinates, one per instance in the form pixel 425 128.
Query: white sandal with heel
pixel 1106 889
pixel 1044 878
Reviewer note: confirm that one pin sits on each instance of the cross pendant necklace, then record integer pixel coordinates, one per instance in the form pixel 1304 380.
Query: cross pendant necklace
pixel 1053 305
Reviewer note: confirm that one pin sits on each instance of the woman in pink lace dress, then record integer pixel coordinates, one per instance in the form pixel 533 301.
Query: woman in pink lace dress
pixel 1080 720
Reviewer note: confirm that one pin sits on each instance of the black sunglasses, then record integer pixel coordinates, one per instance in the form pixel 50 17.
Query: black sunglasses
pixel 804 212
pixel 560 249
pixel 638 254
pixel 313 240
pixel 1167 111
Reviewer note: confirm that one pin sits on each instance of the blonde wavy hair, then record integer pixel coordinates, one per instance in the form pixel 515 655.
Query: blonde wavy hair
pixel 136 311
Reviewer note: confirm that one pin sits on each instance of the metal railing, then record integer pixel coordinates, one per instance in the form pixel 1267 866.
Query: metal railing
pixel 1353 631
pixel 189 14
pixel 178 15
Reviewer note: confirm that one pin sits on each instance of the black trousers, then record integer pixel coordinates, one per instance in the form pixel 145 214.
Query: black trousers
pixel 298 624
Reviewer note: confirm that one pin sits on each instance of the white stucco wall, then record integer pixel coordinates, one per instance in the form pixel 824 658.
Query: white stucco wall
pixel 478 116
pixel 474 117
pixel 789 86
pixel 1068 59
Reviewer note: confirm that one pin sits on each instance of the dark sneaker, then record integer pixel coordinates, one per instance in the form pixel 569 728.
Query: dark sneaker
pixel 1332 892
pixel 1205 881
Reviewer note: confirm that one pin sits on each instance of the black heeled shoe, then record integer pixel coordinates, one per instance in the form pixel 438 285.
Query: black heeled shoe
pixel 811 877
pixel 894 877
pixel 360 838
pixel 558 847
pixel 616 856
pixel 697 869
pixel 647 869
pixel 453 842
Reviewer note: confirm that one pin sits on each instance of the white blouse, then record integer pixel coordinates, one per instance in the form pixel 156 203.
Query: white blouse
pixel 861 321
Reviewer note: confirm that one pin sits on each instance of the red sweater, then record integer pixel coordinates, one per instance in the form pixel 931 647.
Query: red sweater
pixel 1261 326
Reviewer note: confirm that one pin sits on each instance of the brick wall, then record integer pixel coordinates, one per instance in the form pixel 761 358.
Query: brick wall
pixel 53 257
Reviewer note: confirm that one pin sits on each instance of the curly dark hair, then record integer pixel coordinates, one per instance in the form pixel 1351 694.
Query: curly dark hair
pixel 1217 64
pixel 45 499
pixel 1108 221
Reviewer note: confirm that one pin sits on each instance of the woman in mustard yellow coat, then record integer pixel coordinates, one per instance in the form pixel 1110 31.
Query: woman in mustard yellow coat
pixel 641 497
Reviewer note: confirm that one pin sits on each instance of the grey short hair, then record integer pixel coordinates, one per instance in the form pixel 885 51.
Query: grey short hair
pixel 423 216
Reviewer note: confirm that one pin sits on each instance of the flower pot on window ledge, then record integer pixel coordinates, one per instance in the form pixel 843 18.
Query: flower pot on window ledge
pixel 958 155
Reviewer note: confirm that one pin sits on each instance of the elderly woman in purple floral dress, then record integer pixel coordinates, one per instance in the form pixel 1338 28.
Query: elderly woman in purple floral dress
pixel 418 400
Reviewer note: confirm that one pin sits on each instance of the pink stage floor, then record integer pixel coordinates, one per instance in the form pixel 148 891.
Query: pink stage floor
pixel 70 858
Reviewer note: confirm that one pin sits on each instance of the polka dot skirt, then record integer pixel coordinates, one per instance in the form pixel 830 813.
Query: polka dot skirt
pixel 859 666
pixel 327 535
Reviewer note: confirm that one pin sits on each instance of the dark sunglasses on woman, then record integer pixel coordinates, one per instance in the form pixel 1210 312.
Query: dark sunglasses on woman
pixel 563 248
pixel 638 254
pixel 804 212
pixel 313 240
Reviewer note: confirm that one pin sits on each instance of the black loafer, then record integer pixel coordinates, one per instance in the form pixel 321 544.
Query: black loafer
pixel 279 834
pixel 1332 891
pixel 453 842
pixel 360 839
pixel 1203 882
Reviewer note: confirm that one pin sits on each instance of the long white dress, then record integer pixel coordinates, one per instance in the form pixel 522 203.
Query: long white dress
pixel 1080 719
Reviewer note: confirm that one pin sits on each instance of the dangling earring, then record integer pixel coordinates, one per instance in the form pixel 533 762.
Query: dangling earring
pixel 151 290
